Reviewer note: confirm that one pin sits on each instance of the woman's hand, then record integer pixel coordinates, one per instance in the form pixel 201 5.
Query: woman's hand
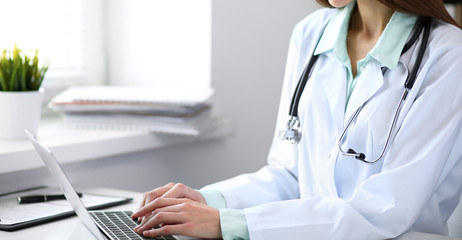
pixel 179 216
pixel 177 209
pixel 172 190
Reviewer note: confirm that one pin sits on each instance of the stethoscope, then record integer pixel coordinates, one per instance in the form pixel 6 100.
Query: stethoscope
pixel 291 131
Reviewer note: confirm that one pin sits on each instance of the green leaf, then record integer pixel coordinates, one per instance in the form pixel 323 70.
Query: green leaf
pixel 40 76
pixel 14 82
pixel 19 72
pixel 23 82
pixel 3 81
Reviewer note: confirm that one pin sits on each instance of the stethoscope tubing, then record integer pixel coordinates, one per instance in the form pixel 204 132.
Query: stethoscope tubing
pixel 301 86
pixel 361 156
pixel 407 88
pixel 424 23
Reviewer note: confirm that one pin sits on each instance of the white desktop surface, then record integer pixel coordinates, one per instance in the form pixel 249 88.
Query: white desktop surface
pixel 73 229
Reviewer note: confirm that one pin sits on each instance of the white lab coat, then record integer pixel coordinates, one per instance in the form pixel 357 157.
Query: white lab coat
pixel 310 191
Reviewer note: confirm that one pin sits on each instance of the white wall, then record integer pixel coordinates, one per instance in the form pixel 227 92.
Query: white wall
pixel 250 43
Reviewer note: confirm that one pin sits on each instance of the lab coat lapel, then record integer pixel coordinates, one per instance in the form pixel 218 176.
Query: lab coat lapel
pixel 370 81
pixel 333 81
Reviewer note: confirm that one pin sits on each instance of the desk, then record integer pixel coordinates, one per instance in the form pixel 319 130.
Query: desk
pixel 70 228
pixel 73 229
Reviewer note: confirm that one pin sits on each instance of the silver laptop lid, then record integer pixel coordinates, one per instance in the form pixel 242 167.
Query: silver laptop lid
pixel 56 171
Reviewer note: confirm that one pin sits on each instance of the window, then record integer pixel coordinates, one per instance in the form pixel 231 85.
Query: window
pixel 66 32
pixel 159 43
pixel 128 42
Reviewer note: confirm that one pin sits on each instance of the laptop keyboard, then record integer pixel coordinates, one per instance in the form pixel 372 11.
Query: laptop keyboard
pixel 119 225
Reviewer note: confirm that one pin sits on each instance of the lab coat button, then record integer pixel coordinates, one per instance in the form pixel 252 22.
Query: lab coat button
pixel 328 155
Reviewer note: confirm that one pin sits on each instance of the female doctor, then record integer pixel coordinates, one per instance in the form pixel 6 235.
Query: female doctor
pixel 371 117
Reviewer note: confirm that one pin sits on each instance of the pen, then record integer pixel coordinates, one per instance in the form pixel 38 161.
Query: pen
pixel 42 198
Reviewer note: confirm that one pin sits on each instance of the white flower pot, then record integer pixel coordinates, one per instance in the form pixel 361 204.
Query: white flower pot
pixel 19 111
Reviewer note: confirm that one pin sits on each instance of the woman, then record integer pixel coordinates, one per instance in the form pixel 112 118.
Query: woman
pixel 314 188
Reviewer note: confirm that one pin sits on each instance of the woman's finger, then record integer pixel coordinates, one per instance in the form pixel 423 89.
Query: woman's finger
pixel 158 203
pixel 164 218
pixel 151 195
pixel 172 208
pixel 182 191
pixel 177 191
pixel 177 229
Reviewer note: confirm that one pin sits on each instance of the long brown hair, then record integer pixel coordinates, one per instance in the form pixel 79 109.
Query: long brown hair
pixel 426 8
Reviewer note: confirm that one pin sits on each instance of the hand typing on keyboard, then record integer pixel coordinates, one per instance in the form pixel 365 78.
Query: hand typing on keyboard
pixel 177 210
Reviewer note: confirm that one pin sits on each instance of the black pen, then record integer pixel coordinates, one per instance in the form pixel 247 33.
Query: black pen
pixel 42 198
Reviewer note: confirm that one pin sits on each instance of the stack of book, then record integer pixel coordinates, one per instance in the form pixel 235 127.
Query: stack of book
pixel 175 111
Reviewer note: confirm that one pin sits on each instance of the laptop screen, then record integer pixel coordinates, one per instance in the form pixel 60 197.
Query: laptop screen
pixel 71 195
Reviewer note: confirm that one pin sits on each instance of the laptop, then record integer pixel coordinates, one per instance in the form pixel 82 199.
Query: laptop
pixel 113 225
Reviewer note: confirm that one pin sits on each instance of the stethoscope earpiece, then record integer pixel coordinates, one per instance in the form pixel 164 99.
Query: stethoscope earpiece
pixel 359 156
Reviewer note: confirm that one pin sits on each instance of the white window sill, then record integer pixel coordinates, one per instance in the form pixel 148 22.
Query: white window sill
pixel 71 145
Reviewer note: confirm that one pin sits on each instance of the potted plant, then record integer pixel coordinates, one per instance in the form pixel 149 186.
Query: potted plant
pixel 20 93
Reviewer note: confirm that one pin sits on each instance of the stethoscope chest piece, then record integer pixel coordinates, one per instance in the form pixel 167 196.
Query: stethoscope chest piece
pixel 291 133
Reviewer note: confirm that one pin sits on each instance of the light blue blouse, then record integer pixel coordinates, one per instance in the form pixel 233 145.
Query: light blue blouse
pixel 387 51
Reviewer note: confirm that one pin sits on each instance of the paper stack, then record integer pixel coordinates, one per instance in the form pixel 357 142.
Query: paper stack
pixel 175 111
